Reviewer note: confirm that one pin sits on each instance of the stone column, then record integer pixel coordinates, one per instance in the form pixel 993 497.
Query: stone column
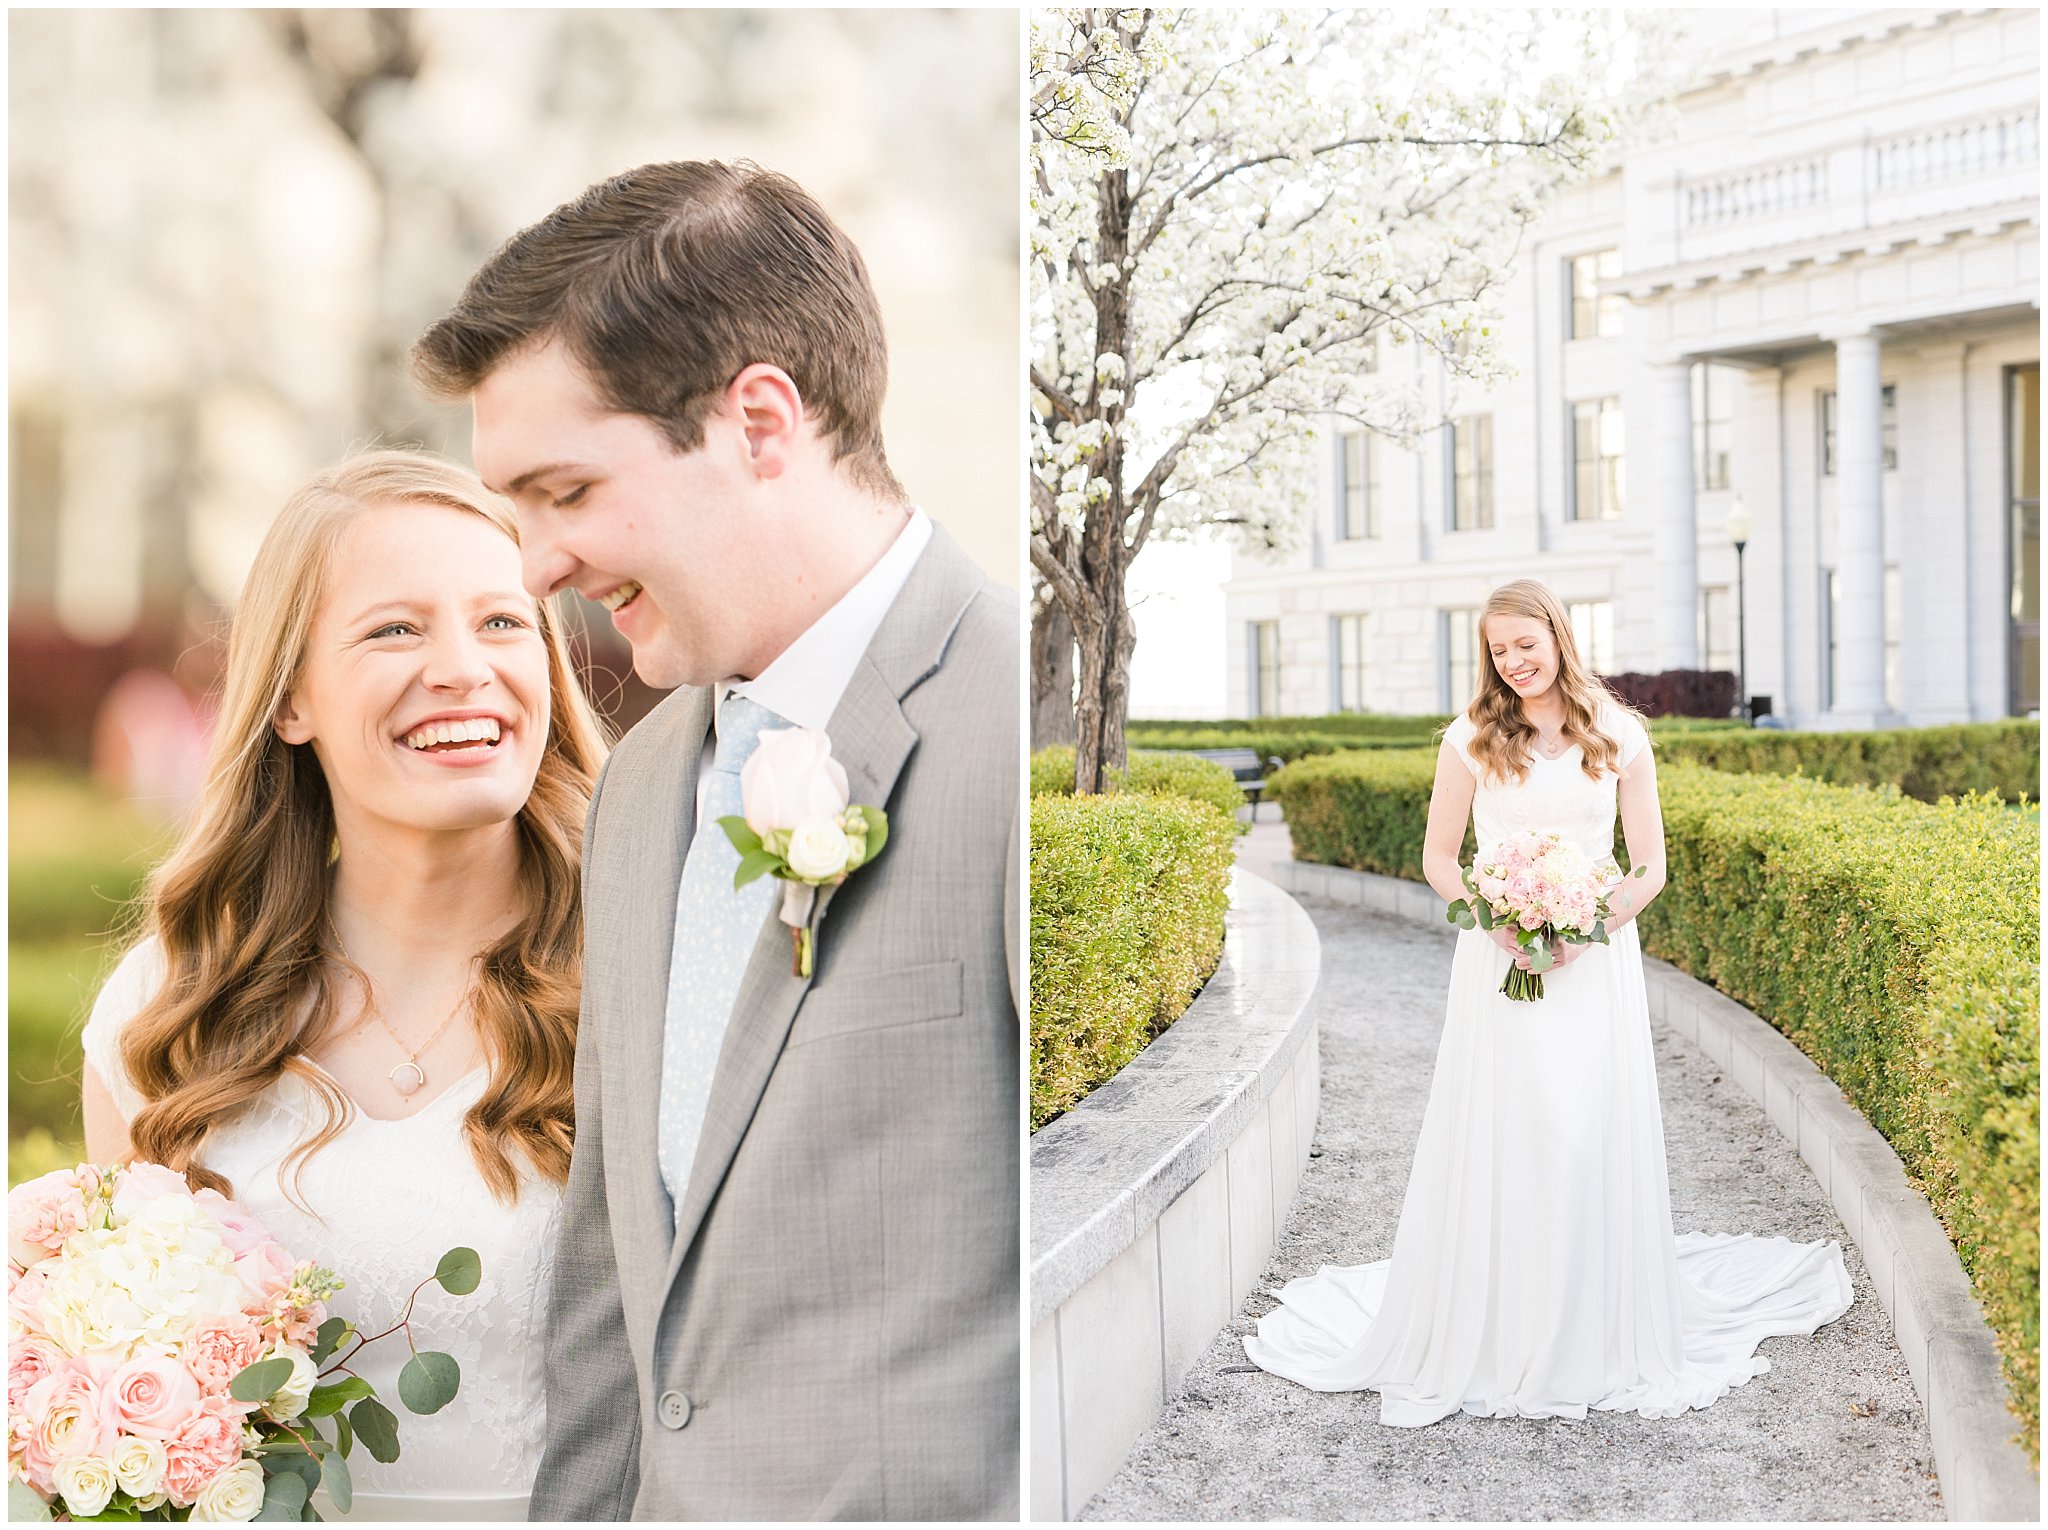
pixel 1858 700
pixel 1676 524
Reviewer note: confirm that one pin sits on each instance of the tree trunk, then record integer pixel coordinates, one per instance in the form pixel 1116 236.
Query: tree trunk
pixel 1052 673
pixel 1105 642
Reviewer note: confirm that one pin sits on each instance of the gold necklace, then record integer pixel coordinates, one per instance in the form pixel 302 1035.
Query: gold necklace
pixel 408 1077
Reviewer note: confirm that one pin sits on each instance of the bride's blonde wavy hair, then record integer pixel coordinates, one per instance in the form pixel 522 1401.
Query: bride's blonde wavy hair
pixel 1503 739
pixel 240 908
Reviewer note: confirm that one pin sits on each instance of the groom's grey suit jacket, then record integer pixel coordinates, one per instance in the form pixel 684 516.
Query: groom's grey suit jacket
pixel 827 1326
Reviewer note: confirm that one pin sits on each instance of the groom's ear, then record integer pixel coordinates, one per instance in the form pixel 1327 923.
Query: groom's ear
pixel 771 412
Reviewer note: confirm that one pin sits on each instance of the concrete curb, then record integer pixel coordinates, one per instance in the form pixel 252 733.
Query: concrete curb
pixel 1939 1327
pixel 1157 1200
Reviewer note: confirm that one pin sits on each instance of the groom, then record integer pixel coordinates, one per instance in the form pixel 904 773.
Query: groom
pixel 786 1282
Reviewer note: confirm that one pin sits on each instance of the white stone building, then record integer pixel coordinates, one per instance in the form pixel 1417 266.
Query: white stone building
pixel 1820 295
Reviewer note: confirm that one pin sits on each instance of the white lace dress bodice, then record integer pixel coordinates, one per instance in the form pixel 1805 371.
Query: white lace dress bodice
pixel 379 1205
pixel 1556 797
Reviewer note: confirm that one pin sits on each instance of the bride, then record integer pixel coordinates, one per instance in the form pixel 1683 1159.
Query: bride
pixel 1534 1271
pixel 353 1004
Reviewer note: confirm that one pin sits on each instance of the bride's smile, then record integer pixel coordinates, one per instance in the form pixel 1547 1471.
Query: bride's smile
pixel 424 690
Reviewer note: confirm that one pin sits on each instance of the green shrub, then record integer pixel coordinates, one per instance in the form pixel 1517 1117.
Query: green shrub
pixel 1278 739
pixel 1356 725
pixel 1174 775
pixel 1926 763
pixel 1896 943
pixel 1128 893
pixel 1365 809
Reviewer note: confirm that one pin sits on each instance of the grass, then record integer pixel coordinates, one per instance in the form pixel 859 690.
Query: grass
pixel 76 857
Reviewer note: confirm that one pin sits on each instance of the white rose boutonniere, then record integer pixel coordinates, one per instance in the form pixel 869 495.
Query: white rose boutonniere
pixel 797 825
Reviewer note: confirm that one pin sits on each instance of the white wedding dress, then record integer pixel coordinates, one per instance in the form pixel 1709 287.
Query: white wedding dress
pixel 390 1198
pixel 1534 1270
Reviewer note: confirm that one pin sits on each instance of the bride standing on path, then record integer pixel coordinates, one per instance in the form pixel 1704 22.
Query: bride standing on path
pixel 354 1004
pixel 1534 1272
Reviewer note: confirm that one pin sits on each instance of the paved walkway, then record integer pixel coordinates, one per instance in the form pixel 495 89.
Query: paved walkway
pixel 1833 1431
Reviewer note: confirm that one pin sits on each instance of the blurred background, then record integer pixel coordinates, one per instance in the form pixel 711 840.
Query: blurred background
pixel 226 229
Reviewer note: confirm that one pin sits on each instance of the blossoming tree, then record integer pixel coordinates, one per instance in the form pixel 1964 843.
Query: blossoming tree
pixel 1232 210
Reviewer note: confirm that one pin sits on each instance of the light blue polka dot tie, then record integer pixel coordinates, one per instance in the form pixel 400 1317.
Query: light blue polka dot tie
pixel 716 931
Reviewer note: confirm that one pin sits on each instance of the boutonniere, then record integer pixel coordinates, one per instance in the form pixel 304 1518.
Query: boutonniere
pixel 796 824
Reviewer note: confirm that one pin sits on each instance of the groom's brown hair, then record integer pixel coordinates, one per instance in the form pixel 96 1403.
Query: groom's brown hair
pixel 665 282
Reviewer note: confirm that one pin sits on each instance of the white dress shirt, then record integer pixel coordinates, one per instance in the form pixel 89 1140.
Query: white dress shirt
pixel 804 683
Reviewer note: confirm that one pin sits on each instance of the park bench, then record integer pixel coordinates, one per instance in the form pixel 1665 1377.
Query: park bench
pixel 1246 765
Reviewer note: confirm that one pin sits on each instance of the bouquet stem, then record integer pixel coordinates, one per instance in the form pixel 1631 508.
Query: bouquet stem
pixel 1522 985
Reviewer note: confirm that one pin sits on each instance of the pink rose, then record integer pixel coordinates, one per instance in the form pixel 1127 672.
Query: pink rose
pixel 790 777
pixel 1533 920
pixel 208 1442
pixel 1520 888
pixel 41 1214
pixel 238 1230
pixel 24 1291
pixel 219 1348
pixel 68 1420
pixel 29 1359
pixel 151 1395
pixel 141 1183
pixel 266 1271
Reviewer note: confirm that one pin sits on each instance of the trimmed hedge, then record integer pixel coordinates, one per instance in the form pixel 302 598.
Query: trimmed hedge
pixel 1174 775
pixel 1128 893
pixel 1360 725
pixel 1926 763
pixel 1896 943
pixel 1288 742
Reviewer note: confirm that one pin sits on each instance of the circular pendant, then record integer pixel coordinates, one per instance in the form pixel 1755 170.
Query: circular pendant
pixel 408 1078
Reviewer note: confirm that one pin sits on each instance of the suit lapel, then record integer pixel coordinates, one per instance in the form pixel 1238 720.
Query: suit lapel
pixel 647 938
pixel 873 740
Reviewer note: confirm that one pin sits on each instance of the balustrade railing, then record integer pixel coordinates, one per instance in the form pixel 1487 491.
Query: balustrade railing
pixel 1954 150
pixel 1763 192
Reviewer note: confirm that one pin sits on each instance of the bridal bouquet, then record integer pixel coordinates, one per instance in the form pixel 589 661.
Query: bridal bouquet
pixel 167 1358
pixel 1548 891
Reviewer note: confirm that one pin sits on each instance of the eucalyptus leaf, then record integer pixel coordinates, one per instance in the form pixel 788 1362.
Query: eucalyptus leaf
pixel 429 1381
pixel 344 1434
pixel 25 1503
pixel 377 1427
pixel 335 1396
pixel 297 1465
pixel 284 1495
pixel 459 1271
pixel 334 1474
pixel 1541 959
pixel 878 831
pixel 255 1383
pixel 328 1338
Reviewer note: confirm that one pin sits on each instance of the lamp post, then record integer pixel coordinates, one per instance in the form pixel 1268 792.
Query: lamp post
pixel 1739 528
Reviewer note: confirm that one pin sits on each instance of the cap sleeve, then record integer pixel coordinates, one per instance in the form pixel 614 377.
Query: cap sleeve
pixel 1459 736
pixel 121 997
pixel 1627 730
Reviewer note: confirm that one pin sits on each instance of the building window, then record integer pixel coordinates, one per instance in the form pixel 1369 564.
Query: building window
pixel 1593 632
pixel 1717 627
pixel 1830 609
pixel 1713 423
pixel 1827 431
pixel 1461 656
pixel 1265 669
pixel 1592 314
pixel 1347 662
pixel 1472 472
pixel 2023 495
pixel 1597 482
pixel 1358 486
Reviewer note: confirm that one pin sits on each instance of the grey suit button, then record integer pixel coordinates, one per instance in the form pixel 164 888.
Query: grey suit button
pixel 673 1410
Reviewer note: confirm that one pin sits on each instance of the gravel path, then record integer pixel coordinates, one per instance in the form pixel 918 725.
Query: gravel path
pixel 1833 1431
